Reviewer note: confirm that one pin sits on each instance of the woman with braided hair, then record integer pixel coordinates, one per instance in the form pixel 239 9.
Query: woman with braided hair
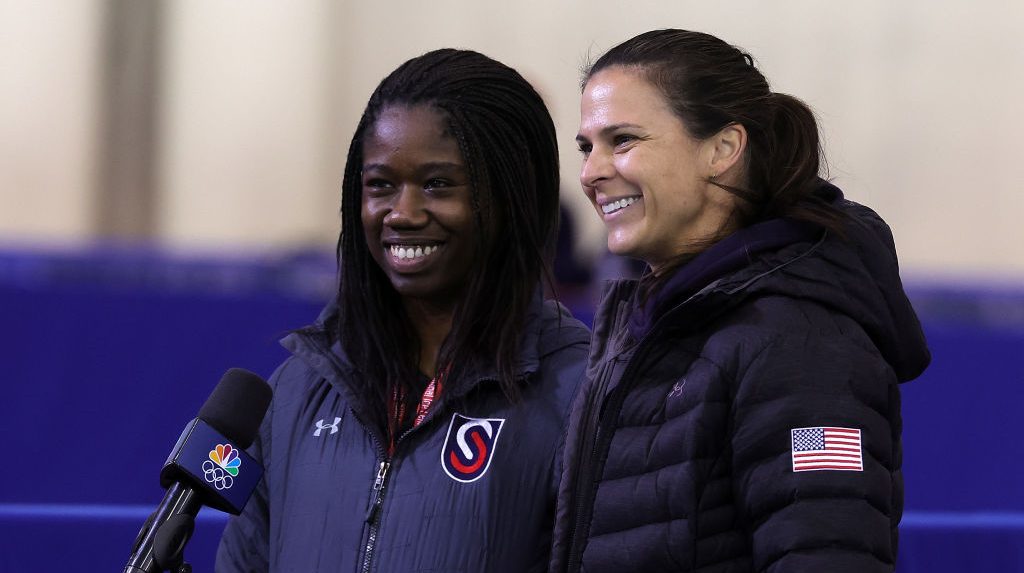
pixel 743 412
pixel 418 424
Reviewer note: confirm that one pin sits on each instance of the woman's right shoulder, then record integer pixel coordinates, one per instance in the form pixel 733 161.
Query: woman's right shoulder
pixel 295 381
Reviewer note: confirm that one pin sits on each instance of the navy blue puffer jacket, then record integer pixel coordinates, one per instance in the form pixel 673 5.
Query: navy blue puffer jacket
pixel 470 489
pixel 755 427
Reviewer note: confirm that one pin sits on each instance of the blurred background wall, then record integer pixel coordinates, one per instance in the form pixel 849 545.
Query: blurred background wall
pixel 225 124
pixel 169 179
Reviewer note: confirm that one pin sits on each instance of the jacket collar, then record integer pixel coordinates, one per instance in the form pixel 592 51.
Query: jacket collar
pixel 692 307
pixel 729 255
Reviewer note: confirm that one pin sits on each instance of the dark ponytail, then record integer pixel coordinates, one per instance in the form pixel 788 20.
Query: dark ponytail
pixel 786 165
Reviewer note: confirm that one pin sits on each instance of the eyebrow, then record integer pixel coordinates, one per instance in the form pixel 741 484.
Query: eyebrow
pixel 608 129
pixel 434 165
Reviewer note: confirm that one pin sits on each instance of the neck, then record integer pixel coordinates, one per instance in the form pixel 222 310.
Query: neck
pixel 432 324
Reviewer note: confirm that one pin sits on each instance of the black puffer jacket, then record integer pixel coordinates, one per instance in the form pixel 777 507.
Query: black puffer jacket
pixel 682 454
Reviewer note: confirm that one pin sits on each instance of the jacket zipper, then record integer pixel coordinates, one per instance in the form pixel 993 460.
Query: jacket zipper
pixel 586 482
pixel 373 515
pixel 586 477
pixel 581 512
pixel 579 517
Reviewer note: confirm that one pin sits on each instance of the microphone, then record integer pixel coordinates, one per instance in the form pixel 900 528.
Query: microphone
pixel 208 466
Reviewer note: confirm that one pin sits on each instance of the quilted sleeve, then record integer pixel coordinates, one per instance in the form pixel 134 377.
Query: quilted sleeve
pixel 816 456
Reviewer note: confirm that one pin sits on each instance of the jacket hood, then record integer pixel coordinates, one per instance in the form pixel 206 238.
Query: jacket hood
pixel 857 275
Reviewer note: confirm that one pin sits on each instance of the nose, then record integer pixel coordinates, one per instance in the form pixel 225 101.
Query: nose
pixel 408 210
pixel 597 167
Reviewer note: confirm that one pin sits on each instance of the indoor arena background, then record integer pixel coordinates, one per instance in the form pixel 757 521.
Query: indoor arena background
pixel 169 179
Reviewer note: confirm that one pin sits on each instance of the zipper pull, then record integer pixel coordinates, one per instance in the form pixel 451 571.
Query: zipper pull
pixel 378 490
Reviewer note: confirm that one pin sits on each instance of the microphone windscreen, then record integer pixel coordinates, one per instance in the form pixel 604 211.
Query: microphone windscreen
pixel 237 405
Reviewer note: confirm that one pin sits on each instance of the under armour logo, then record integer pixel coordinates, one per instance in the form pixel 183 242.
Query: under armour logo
pixel 677 389
pixel 321 426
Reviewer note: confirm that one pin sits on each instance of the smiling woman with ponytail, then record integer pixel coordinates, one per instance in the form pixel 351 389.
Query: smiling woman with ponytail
pixel 742 411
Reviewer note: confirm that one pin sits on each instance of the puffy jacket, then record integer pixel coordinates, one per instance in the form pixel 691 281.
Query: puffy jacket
pixel 470 489
pixel 711 445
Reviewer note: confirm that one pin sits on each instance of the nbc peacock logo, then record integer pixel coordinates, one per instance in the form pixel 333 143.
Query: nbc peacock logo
pixel 222 467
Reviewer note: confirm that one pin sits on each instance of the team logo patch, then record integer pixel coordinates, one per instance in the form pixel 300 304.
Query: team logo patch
pixel 827 448
pixel 469 447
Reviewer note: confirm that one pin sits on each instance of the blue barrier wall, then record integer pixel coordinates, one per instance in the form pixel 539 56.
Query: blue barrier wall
pixel 109 353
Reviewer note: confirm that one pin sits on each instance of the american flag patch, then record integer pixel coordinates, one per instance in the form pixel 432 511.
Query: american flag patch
pixel 827 449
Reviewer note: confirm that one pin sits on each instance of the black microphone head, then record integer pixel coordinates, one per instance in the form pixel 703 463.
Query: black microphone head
pixel 237 405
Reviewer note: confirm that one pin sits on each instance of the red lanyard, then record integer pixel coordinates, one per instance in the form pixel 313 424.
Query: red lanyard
pixel 396 407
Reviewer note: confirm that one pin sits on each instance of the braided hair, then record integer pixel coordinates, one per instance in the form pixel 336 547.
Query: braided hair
pixel 507 140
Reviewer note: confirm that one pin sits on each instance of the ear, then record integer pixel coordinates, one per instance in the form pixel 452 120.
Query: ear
pixel 725 150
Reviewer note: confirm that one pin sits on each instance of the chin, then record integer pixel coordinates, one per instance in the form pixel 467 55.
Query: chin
pixel 621 247
pixel 411 289
pixel 431 293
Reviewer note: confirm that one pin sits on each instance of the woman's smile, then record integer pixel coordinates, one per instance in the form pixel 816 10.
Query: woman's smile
pixel 616 207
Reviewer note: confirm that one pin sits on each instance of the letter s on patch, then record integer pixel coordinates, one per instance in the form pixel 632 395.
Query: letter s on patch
pixel 469 447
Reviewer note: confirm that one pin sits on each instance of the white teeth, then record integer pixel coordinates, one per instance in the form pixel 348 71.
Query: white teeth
pixel 411 252
pixel 620 204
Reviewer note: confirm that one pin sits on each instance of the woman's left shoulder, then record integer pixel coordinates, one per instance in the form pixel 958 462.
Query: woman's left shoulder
pixel 558 330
